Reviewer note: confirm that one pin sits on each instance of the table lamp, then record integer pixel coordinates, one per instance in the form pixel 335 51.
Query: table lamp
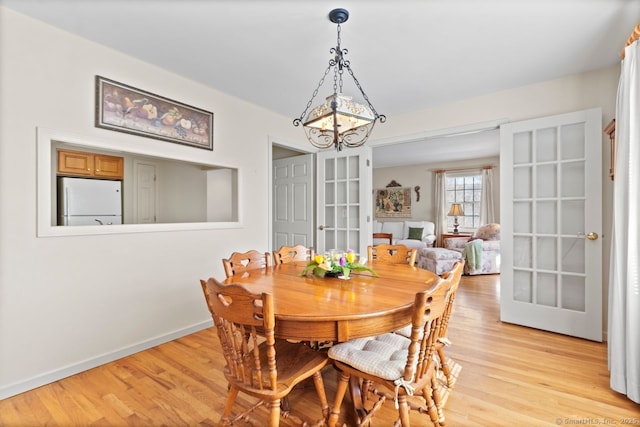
pixel 455 212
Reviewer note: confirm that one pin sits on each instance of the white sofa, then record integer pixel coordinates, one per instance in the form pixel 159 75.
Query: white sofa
pixel 400 233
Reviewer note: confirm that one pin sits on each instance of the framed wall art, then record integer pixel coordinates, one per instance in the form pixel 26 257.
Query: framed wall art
pixel 393 202
pixel 123 108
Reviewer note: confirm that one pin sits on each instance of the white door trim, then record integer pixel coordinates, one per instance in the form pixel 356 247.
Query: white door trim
pixel 271 141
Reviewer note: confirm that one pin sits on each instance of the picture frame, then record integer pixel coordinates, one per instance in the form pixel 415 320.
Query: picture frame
pixel 393 202
pixel 123 108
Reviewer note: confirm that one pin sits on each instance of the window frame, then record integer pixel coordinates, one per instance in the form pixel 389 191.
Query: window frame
pixel 470 221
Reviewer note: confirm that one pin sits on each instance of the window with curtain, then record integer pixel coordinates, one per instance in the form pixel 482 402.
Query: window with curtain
pixel 464 188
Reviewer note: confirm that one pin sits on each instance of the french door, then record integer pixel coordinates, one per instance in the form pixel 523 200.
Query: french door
pixel 344 205
pixel 551 220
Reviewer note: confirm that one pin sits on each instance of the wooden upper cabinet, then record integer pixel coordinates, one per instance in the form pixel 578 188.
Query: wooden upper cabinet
pixel 109 166
pixel 80 163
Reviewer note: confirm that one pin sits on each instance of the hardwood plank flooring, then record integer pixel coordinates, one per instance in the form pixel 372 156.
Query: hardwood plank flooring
pixel 511 376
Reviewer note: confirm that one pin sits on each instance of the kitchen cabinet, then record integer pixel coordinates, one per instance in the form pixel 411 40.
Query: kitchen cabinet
pixel 80 163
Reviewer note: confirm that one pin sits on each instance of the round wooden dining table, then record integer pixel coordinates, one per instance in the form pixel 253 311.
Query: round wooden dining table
pixel 309 308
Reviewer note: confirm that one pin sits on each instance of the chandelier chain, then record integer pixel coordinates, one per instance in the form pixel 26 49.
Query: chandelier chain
pixel 297 121
pixel 340 62
pixel 381 117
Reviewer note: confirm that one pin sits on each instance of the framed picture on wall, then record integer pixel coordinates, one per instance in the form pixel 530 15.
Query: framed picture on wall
pixel 124 108
pixel 393 202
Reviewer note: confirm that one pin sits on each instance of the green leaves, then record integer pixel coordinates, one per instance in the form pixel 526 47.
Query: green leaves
pixel 361 267
pixel 344 270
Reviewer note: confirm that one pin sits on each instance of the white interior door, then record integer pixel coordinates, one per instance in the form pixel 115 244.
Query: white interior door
pixel 144 199
pixel 551 214
pixel 344 200
pixel 293 201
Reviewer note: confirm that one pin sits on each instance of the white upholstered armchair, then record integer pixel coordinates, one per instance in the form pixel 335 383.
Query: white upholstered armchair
pixel 481 251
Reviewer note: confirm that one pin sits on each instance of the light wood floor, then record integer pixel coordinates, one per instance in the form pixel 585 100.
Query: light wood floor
pixel 511 376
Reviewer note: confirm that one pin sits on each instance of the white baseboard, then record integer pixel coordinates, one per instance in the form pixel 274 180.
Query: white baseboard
pixel 58 374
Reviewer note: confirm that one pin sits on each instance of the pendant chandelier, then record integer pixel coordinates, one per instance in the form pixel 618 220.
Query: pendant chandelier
pixel 339 121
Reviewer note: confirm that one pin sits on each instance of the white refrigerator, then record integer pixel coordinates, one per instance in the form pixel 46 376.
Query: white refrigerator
pixel 83 201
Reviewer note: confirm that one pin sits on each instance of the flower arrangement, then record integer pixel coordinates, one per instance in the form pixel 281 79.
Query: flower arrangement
pixel 335 264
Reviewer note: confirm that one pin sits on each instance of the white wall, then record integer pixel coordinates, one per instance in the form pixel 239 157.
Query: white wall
pixel 69 303
pixel 221 185
pixel 423 175
pixel 182 195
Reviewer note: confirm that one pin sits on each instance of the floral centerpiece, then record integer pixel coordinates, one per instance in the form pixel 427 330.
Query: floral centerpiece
pixel 336 264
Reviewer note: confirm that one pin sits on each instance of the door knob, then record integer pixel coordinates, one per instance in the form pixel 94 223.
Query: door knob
pixel 592 236
pixel 321 227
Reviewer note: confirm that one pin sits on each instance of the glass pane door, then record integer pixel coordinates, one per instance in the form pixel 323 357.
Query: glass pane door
pixel 551 192
pixel 344 195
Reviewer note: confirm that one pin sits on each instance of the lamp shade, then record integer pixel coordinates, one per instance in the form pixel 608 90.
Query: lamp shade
pixel 350 114
pixel 354 123
pixel 456 210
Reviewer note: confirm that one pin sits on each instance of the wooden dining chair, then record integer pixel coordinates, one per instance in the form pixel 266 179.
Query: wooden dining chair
pixel 256 363
pixel 396 366
pixel 288 254
pixel 392 254
pixel 386 236
pixel 292 253
pixel 449 369
pixel 240 262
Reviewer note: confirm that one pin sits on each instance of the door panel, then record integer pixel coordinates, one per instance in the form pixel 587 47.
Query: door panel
pixel 344 199
pixel 551 195
pixel 293 201
pixel 145 193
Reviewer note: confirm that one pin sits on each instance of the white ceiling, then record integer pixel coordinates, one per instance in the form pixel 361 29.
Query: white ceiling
pixel 407 54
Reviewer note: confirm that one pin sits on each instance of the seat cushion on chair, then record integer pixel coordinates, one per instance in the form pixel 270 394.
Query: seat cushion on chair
pixel 384 355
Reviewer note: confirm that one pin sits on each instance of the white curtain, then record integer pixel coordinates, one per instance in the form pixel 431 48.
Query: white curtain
pixel 441 204
pixel 624 283
pixel 487 202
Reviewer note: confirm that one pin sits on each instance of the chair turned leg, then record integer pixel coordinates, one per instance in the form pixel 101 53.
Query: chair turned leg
pixel 432 409
pixel 403 411
pixel 365 390
pixel 444 367
pixel 228 406
pixel 274 413
pixel 322 395
pixel 340 392
pixel 437 399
